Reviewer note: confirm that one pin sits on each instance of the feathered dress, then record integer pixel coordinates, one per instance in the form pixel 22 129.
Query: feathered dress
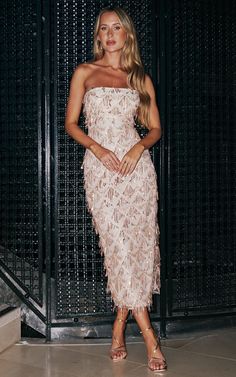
pixel 124 209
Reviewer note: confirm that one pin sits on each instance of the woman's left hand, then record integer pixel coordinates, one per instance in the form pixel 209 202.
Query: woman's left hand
pixel 130 159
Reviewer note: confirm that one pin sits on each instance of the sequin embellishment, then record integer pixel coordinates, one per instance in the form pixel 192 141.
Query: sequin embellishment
pixel 123 209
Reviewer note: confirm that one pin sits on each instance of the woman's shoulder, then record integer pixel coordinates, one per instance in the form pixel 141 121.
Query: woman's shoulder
pixel 85 66
pixel 82 71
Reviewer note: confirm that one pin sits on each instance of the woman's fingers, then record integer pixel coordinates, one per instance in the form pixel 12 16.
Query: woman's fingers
pixel 130 160
pixel 126 168
pixel 111 161
pixel 110 165
pixel 114 161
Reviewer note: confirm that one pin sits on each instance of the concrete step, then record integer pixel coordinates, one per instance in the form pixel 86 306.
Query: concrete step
pixel 10 326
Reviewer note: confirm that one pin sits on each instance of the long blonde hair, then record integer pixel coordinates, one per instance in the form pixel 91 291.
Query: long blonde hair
pixel 130 61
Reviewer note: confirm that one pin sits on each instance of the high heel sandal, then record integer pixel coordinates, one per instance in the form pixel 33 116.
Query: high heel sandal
pixel 120 348
pixel 160 360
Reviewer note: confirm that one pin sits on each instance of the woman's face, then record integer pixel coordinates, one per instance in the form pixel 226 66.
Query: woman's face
pixel 111 32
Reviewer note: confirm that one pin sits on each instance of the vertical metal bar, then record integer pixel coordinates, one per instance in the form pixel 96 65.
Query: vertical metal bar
pixel 163 166
pixel 155 42
pixel 158 155
pixel 169 261
pixel 55 154
pixel 47 212
pixel 39 117
pixel 154 74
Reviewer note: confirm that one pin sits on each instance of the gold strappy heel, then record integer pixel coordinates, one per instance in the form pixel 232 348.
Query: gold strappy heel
pixel 121 347
pixel 160 360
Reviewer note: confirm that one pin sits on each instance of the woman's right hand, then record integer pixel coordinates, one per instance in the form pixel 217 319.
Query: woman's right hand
pixel 106 156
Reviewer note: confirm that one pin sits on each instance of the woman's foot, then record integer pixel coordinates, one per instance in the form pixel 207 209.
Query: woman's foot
pixel 156 359
pixel 118 349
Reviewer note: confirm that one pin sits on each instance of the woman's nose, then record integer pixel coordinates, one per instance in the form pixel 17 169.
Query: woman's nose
pixel 110 32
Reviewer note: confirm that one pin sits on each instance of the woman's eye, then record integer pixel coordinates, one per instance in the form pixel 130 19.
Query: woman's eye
pixel 104 28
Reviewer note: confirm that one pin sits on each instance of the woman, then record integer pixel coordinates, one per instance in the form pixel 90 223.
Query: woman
pixel 119 176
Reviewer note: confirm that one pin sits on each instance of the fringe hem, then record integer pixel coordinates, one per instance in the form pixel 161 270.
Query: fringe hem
pixel 131 309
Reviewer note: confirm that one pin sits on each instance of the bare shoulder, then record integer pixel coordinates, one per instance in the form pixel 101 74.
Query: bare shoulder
pixel 82 71
pixel 87 66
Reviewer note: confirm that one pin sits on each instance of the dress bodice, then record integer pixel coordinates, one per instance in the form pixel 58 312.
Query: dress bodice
pixel 118 103
pixel 109 115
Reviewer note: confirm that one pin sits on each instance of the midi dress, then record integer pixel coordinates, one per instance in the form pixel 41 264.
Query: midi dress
pixel 124 209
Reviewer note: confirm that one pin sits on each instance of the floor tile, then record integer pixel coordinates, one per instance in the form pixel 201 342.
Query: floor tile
pixel 223 345
pixel 10 368
pixel 212 354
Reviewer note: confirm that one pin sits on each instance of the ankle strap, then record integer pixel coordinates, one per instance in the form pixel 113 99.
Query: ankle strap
pixel 121 320
pixel 148 328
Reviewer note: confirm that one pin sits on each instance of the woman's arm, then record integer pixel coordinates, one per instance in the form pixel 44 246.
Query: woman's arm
pixel 74 105
pixel 155 125
pixel 131 158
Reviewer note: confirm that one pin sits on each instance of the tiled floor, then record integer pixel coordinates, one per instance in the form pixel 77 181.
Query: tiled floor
pixel 209 354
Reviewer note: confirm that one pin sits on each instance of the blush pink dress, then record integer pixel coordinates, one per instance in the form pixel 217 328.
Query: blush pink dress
pixel 123 209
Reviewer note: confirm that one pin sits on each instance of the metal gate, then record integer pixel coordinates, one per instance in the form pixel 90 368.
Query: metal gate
pixel 49 250
pixel 201 136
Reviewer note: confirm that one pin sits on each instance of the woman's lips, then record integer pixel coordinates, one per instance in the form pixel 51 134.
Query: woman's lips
pixel 111 43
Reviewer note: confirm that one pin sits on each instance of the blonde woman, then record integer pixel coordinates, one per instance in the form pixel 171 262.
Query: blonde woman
pixel 119 176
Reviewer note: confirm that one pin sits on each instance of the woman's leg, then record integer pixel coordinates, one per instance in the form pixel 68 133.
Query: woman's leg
pixel 143 320
pixel 118 335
